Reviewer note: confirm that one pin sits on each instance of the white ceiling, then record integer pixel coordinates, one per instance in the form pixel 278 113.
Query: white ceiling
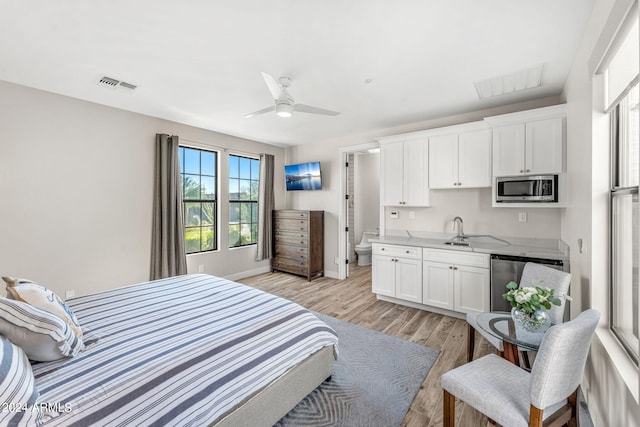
pixel 198 62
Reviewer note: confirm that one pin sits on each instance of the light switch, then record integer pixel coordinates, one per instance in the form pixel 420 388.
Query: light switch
pixel 522 217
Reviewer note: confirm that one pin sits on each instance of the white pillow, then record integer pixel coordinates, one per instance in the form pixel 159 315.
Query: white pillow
pixel 38 296
pixel 42 335
pixel 18 391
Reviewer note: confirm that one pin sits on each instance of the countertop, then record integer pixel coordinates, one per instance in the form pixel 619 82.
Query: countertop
pixel 535 248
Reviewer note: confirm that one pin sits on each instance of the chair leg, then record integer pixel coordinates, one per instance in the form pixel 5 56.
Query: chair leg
pixel 535 416
pixel 471 342
pixel 573 401
pixel 448 409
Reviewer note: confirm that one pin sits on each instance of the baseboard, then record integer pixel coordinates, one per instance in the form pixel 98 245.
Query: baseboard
pixel 249 273
pixel 331 274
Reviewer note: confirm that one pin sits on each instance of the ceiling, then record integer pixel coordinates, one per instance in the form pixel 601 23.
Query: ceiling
pixel 380 63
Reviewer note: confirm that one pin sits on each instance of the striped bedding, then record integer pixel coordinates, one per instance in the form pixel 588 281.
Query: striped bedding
pixel 180 351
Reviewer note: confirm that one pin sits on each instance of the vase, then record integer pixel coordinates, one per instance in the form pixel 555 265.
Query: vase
pixel 538 321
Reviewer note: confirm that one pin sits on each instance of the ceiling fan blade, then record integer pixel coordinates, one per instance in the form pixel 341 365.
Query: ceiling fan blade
pixel 264 110
pixel 272 84
pixel 314 110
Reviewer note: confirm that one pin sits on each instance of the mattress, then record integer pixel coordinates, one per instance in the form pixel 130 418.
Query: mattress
pixel 180 351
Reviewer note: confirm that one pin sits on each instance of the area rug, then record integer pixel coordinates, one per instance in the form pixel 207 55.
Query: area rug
pixel 374 381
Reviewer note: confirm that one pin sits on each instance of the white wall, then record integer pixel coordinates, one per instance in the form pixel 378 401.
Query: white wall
pixel 76 189
pixel 367 193
pixel 611 402
pixel 329 198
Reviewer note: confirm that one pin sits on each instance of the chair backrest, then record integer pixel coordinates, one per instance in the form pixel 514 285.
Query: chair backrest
pixel 546 277
pixel 559 365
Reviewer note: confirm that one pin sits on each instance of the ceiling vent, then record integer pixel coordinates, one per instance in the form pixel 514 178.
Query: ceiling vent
pixel 110 83
pixel 509 83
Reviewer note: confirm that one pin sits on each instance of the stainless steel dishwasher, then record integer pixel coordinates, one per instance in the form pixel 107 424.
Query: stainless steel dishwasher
pixel 507 268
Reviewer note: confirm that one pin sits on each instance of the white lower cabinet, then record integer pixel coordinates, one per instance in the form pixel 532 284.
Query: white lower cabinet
pixel 397 271
pixel 451 280
pixel 457 281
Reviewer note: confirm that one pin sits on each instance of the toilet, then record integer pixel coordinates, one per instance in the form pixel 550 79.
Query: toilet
pixel 363 249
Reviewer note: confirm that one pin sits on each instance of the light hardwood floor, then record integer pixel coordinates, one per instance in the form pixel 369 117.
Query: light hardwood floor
pixel 353 301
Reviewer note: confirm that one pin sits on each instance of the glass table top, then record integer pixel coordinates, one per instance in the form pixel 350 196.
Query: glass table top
pixel 500 325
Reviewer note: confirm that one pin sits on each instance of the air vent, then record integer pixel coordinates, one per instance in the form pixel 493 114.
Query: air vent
pixel 509 83
pixel 110 83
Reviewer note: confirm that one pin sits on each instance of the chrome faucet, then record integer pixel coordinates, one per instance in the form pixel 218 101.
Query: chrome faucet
pixel 457 220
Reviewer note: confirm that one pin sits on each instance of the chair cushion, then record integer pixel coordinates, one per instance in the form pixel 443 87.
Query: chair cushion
pixel 495 387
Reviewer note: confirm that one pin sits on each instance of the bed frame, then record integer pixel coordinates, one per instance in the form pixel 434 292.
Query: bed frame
pixel 273 402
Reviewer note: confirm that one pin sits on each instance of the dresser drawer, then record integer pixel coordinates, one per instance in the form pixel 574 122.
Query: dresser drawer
pixel 299 266
pixel 396 250
pixel 291 214
pixel 290 224
pixel 291 238
pixel 291 251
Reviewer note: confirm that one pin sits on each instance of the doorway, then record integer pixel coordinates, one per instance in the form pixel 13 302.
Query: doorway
pixel 359 200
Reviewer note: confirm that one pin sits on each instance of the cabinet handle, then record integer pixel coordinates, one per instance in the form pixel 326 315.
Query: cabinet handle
pixel 459 183
pixel 451 267
pixel 521 171
pixel 407 251
pixel 455 268
pixel 528 170
pixel 382 249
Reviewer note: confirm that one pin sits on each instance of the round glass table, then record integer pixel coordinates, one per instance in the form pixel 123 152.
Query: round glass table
pixel 500 325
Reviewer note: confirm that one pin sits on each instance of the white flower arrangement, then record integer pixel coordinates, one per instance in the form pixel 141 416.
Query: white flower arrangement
pixel 530 299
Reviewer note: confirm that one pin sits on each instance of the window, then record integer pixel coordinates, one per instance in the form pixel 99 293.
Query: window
pixel 625 217
pixel 198 177
pixel 244 175
pixel 623 94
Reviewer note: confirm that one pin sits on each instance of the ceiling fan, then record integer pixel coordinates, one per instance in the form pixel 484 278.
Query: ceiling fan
pixel 284 104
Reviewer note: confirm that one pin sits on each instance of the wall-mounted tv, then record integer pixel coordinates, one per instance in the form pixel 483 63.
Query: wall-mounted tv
pixel 303 176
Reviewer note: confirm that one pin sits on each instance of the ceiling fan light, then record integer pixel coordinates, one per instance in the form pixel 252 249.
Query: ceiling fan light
pixel 284 110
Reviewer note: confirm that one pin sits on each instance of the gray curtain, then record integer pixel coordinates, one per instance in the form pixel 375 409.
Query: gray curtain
pixel 168 254
pixel 266 205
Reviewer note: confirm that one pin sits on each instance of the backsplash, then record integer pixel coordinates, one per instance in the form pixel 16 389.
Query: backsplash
pixel 474 207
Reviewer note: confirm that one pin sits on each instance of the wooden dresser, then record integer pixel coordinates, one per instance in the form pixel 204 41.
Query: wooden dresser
pixel 298 242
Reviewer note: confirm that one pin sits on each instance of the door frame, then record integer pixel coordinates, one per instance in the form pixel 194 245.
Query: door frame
pixel 342 217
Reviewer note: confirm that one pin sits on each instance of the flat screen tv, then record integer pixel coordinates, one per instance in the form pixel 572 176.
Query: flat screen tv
pixel 303 176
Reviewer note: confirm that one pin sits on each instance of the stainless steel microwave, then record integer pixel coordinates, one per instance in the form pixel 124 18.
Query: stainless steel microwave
pixel 527 189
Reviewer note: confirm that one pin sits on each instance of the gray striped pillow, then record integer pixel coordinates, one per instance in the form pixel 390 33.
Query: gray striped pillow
pixel 18 392
pixel 42 335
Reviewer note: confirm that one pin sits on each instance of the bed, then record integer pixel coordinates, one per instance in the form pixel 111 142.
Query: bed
pixel 189 350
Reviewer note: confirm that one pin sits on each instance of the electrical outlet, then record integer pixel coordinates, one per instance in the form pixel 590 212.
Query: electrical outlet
pixel 69 294
pixel 201 268
pixel 522 217
pixel 412 215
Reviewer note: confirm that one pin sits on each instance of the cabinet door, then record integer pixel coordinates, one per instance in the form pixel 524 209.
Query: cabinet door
pixel 409 279
pixel 471 289
pixel 416 173
pixel 383 275
pixel 508 150
pixel 437 284
pixel 545 146
pixel 443 161
pixel 391 156
pixel 474 159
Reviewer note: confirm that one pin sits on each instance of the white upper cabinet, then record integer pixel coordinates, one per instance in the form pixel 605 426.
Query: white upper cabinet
pixel 461 159
pixel 529 142
pixel 404 173
pixel 474 159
